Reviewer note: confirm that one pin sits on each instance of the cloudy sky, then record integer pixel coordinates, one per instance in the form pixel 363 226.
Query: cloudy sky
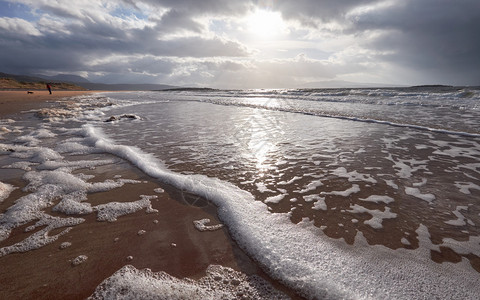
pixel 244 44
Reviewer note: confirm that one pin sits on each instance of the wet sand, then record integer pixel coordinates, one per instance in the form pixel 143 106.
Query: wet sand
pixel 14 102
pixel 170 242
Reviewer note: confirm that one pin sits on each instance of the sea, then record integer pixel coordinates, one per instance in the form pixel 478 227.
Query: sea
pixel 334 193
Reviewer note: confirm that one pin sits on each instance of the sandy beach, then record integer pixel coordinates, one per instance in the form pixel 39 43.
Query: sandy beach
pixel 14 102
pixel 317 193
pixel 162 241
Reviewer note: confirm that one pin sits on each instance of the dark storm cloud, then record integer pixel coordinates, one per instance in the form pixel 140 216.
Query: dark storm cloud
pixel 196 7
pixel 90 35
pixel 173 20
pixel 435 40
pixel 312 13
pixel 436 36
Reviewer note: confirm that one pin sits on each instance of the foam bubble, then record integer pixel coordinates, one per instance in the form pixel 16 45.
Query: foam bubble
pixel 79 260
pixel 201 225
pixel 65 245
pixel 159 190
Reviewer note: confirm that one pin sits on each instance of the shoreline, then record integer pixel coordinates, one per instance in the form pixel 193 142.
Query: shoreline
pixel 170 243
pixel 14 102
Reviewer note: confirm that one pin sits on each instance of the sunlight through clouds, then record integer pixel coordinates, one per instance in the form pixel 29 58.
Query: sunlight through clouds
pixel 388 41
pixel 265 24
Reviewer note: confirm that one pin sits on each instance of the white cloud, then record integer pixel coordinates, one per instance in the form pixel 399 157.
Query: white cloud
pixel 16 26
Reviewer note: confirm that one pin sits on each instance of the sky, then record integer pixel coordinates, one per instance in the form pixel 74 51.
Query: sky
pixel 244 44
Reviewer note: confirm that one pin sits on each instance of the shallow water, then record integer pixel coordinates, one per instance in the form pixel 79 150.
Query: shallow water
pixel 335 193
pixel 339 173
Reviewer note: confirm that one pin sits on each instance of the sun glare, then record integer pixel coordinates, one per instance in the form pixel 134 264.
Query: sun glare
pixel 265 24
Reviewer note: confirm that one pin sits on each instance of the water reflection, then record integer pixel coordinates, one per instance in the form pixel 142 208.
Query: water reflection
pixel 337 173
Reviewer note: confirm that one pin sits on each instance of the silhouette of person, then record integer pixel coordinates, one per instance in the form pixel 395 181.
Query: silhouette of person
pixel 49 88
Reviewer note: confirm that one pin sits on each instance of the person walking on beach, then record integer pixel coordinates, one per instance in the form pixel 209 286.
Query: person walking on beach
pixel 49 88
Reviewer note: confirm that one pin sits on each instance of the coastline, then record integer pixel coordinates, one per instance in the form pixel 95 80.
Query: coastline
pixel 14 102
pixel 170 243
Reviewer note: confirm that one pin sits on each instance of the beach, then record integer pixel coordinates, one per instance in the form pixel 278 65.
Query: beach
pixel 170 242
pixel 328 192
pixel 14 102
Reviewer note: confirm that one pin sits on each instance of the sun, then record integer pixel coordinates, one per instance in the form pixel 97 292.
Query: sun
pixel 265 24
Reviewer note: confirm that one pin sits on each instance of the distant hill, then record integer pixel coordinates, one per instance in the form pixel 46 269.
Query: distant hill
pixel 345 84
pixel 65 78
pixel 7 83
pixel 124 87
pixel 22 78
pixel 81 83
pixel 188 89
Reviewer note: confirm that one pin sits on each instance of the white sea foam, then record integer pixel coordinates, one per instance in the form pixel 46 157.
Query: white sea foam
pixel 320 203
pixel 465 187
pixel 377 199
pixel 79 260
pixel 71 204
pixel 392 184
pixel 219 283
pixel 311 186
pixel 354 189
pixel 275 199
pixel 22 165
pixel 5 190
pixel 34 241
pixel 377 215
pixel 65 245
pixel 201 225
pixel 460 221
pixel 111 211
pixel 416 193
pixel 262 188
pixel 295 178
pixel 300 256
pixel 353 175
pixel 51 181
pixel 406 167
pixel 471 246
pixel 159 190
pixel 33 154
